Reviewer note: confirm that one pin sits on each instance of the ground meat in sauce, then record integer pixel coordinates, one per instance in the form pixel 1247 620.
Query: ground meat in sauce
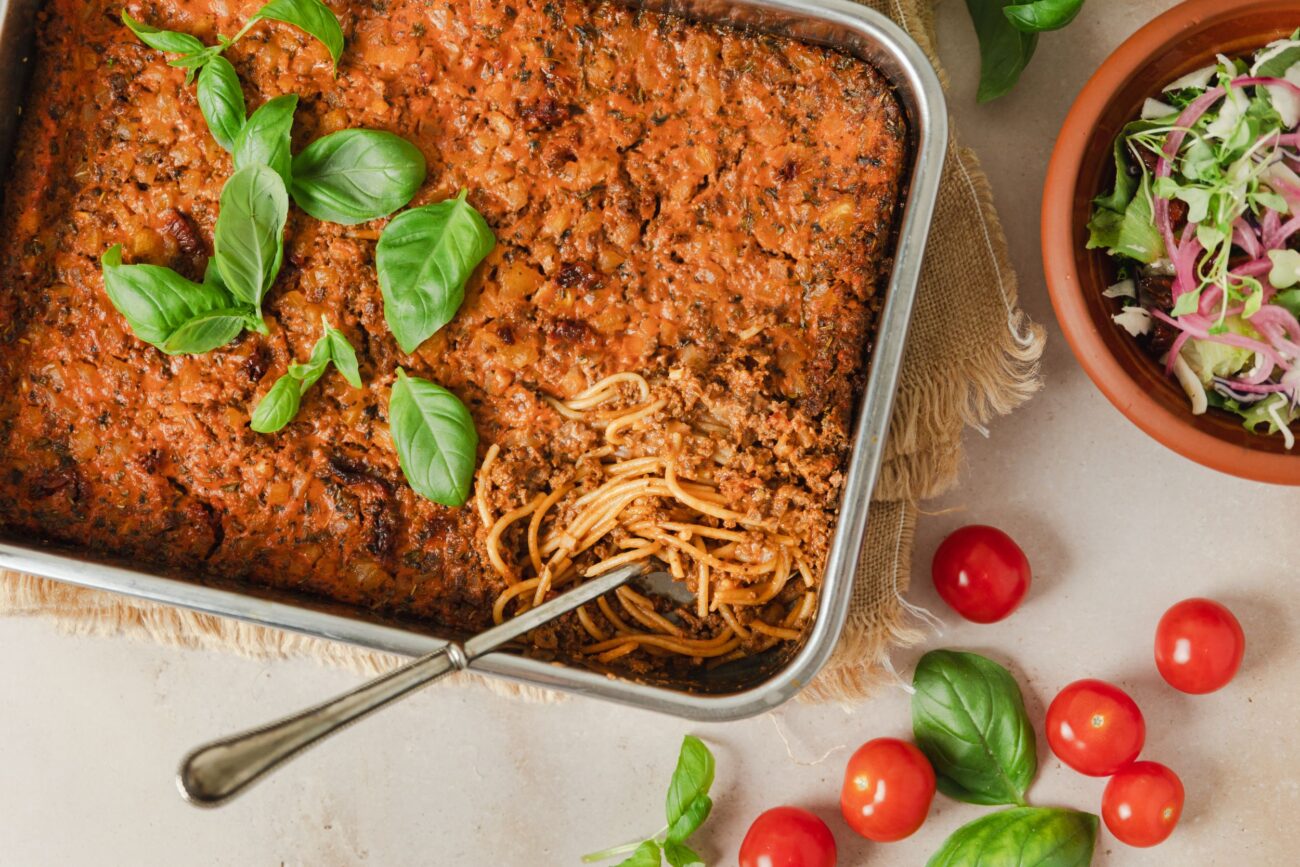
pixel 706 207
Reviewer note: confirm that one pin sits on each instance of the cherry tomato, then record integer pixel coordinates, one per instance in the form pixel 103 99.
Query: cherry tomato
pixel 1199 645
pixel 981 572
pixel 788 837
pixel 1142 803
pixel 888 787
pixel 1095 728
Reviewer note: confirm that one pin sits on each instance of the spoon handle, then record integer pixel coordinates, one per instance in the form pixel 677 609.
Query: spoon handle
pixel 221 769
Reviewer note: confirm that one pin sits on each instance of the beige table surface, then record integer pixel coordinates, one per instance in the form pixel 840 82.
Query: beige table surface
pixel 1117 529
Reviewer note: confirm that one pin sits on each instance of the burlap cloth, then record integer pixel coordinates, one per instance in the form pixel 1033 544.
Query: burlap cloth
pixel 972 354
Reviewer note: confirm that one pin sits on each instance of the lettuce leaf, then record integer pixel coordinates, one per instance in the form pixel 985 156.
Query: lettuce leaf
pixel 1122 221
pixel 1131 232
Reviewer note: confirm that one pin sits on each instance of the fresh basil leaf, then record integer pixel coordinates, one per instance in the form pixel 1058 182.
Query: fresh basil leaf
pixel 681 855
pixel 356 175
pixel 424 258
pixel 249 237
pixel 212 278
pixel 1022 837
pixel 163 40
pixel 1004 50
pixel 691 819
pixel 164 309
pixel 278 406
pixel 264 139
pixel 281 403
pixel 221 100
pixel 646 855
pixel 1042 15
pixel 312 16
pixel 314 369
pixel 969 719
pixel 206 332
pixel 692 777
pixel 435 439
pixel 343 355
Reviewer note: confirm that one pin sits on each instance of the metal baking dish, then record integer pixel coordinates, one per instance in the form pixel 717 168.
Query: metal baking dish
pixel 750 687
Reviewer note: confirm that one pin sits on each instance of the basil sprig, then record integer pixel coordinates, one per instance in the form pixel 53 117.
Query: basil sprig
pixel 249 237
pixel 1022 837
pixel 164 309
pixel 279 405
pixel 433 432
pixel 312 16
pixel 356 175
pixel 265 139
pixel 424 258
pixel 688 805
pixel 221 99
pixel 969 719
pixel 346 177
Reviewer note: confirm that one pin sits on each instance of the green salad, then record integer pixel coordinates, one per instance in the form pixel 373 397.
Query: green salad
pixel 1204 225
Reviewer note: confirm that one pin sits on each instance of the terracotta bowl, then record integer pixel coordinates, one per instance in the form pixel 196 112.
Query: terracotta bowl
pixel 1181 40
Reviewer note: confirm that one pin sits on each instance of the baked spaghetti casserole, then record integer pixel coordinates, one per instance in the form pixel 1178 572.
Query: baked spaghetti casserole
pixel 661 354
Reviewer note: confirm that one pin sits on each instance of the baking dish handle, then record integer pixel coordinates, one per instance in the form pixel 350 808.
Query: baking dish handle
pixel 221 769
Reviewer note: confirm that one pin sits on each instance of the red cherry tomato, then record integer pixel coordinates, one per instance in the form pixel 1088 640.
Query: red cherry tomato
pixel 981 573
pixel 1142 803
pixel 788 837
pixel 888 787
pixel 1095 728
pixel 1199 645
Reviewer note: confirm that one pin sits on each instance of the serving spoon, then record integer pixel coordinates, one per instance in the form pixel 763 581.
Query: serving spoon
pixel 215 772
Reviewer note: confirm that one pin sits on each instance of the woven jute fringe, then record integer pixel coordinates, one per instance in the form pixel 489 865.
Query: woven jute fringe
pixel 972 355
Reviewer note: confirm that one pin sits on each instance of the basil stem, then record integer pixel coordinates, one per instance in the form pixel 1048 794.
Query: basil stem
pixel 356 175
pixel 249 237
pixel 265 139
pixel 221 99
pixel 343 355
pixel 692 778
pixel 435 439
pixel 424 258
pixel 1022 837
pixel 969 719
